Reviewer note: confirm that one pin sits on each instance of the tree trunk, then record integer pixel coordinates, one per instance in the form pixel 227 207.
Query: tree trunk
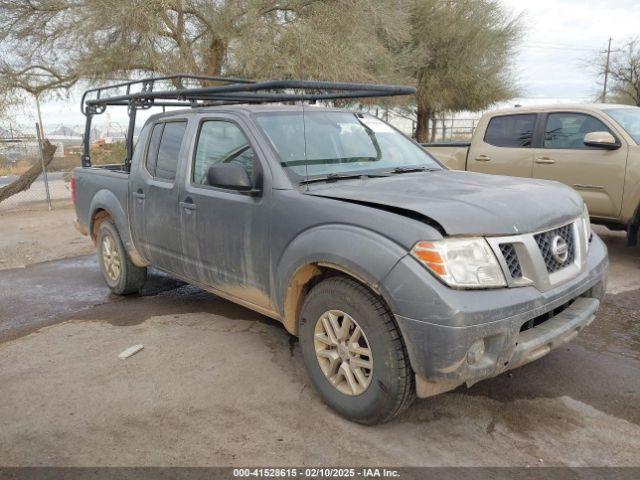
pixel 26 179
pixel 215 57
pixel 434 126
pixel 422 124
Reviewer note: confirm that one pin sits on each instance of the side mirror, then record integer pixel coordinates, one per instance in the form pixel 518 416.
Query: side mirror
pixel 231 176
pixel 601 140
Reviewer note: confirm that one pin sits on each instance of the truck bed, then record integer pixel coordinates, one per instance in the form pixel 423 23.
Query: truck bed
pixel 451 154
pixel 99 185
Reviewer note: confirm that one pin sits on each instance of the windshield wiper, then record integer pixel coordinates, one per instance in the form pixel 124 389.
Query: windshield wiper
pixel 334 177
pixel 413 169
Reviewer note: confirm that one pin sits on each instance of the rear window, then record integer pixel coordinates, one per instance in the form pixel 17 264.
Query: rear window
pixel 169 150
pixel 511 131
pixel 152 150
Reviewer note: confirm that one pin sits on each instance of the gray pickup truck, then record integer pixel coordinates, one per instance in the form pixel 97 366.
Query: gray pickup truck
pixel 398 276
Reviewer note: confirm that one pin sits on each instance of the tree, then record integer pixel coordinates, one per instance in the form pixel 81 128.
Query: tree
pixel 263 38
pixel 6 99
pixel 24 181
pixel 34 79
pixel 458 56
pixel 455 52
pixel 327 40
pixel 37 80
pixel 624 73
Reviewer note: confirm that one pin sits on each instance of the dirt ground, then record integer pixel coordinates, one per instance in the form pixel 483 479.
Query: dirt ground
pixel 35 234
pixel 217 384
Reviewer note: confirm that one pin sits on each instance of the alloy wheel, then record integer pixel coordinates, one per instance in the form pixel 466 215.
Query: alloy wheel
pixel 343 352
pixel 110 258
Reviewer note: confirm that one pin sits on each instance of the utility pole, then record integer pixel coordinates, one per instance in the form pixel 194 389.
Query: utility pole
pixel 606 73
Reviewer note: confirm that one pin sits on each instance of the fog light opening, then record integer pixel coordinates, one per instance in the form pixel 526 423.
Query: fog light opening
pixel 476 352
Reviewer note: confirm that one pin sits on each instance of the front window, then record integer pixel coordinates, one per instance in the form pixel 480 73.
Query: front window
pixel 629 119
pixel 221 142
pixel 320 143
pixel 565 130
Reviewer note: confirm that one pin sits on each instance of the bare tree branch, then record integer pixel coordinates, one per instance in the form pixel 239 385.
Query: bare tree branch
pixel 25 180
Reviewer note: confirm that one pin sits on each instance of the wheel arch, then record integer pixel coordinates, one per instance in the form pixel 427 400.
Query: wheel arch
pixel 105 205
pixel 362 255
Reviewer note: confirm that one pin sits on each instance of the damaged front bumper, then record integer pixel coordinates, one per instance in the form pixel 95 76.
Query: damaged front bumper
pixel 464 336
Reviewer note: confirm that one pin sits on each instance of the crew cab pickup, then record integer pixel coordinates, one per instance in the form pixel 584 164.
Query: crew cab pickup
pixel 398 275
pixel 593 148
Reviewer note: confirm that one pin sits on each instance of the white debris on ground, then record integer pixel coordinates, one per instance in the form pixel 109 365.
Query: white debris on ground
pixel 130 352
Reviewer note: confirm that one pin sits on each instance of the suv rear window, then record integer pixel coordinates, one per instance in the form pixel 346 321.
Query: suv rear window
pixel 511 131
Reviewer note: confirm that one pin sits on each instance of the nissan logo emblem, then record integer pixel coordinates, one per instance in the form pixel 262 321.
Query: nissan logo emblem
pixel 559 249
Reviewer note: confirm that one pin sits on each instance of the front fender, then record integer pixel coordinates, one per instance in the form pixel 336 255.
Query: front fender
pixel 366 255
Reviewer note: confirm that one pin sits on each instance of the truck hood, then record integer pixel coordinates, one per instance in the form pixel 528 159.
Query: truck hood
pixel 464 203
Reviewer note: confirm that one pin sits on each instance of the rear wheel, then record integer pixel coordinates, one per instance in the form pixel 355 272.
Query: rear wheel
pixel 121 275
pixel 353 352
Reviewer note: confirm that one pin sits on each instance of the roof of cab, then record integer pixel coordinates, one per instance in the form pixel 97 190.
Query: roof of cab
pixel 558 107
pixel 246 109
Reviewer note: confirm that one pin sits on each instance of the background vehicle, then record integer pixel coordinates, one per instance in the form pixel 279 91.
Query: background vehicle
pixel 592 148
pixel 399 276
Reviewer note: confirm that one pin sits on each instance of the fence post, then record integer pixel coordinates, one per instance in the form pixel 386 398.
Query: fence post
pixel 44 169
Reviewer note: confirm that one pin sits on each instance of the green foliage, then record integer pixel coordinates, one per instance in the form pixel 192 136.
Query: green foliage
pixel 459 55
pixel 456 52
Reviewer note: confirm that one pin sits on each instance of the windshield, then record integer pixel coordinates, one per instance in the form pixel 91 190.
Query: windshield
pixel 338 143
pixel 629 119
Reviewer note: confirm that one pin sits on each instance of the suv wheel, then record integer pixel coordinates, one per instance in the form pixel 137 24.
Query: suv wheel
pixel 354 353
pixel 119 272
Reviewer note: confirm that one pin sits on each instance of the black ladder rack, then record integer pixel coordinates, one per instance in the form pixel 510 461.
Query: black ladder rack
pixel 141 94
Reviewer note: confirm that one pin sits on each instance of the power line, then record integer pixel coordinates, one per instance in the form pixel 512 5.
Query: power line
pixel 559 47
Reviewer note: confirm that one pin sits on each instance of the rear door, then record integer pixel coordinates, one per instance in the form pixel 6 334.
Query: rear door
pixel 225 233
pixel 596 173
pixel 154 197
pixel 506 146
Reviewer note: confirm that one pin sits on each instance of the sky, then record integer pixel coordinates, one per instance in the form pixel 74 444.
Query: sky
pixel 560 38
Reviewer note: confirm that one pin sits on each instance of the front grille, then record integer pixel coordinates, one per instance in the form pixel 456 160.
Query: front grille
pixel 545 243
pixel 511 258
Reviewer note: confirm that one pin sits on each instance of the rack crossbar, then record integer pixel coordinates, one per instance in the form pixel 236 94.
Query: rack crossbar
pixel 140 94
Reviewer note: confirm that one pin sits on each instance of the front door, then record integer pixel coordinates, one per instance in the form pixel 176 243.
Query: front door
pixel 225 233
pixel 154 196
pixel 506 148
pixel 596 173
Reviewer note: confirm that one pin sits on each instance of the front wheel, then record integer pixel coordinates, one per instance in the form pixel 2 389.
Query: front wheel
pixel 353 352
pixel 119 272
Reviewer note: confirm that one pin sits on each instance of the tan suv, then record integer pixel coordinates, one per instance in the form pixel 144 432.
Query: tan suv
pixel 592 148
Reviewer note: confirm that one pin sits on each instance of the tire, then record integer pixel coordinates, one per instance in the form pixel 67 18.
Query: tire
pixel 119 272
pixel 379 393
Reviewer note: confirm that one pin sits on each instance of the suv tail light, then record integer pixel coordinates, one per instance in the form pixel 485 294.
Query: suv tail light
pixel 73 188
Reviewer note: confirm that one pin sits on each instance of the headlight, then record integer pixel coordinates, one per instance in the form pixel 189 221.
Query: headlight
pixel 461 262
pixel 586 225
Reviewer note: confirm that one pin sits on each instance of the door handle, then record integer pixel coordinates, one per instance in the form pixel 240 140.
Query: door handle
pixel 188 204
pixel 483 158
pixel 545 160
pixel 139 194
